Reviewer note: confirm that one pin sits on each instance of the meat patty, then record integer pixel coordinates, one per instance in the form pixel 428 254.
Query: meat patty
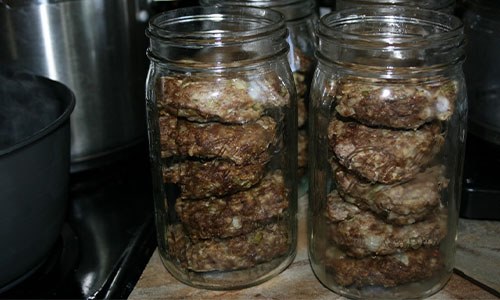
pixel 301 113
pixel 387 271
pixel 244 251
pixel 384 155
pixel 360 233
pixel 302 151
pixel 399 203
pixel 217 98
pixel 242 144
pixel 396 104
pixel 236 214
pixel 214 178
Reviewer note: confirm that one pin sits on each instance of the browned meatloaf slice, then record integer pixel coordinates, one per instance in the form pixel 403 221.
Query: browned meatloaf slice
pixel 398 203
pixel 213 178
pixel 242 144
pixel 217 98
pixel 396 103
pixel 387 271
pixel 383 155
pixel 235 214
pixel 360 233
pixel 244 251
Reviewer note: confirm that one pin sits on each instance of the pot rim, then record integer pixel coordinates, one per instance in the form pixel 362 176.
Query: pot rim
pixel 65 93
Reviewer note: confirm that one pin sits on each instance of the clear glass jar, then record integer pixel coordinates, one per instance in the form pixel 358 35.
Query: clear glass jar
pixel 388 125
pixel 301 18
pixel 222 124
pixel 482 72
pixel 447 6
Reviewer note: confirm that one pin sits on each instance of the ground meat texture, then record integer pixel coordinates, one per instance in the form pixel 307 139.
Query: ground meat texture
pixel 302 151
pixel 399 203
pixel 214 98
pixel 396 104
pixel 301 62
pixel 242 144
pixel 387 271
pixel 177 243
pixel 301 113
pixel 240 252
pixel 244 251
pixel 360 233
pixel 384 155
pixel 299 78
pixel 236 214
pixel 214 178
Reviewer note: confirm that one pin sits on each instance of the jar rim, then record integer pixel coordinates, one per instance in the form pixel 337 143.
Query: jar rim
pixel 291 9
pixel 260 23
pixel 427 4
pixel 339 26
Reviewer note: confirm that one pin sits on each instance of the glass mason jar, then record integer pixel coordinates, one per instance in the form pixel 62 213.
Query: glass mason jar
pixel 388 126
pixel 301 19
pixel 447 6
pixel 222 124
pixel 482 68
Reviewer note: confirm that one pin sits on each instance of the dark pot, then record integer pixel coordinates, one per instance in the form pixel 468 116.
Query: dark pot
pixel 34 170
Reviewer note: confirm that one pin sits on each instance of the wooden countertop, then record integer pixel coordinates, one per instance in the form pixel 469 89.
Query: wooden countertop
pixel 296 282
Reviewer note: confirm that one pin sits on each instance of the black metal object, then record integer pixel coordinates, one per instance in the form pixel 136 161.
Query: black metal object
pixel 481 181
pixel 34 169
pixel 108 237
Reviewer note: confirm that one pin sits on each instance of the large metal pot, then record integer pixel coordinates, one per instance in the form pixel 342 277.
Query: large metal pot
pixel 96 48
pixel 34 170
pixel 482 68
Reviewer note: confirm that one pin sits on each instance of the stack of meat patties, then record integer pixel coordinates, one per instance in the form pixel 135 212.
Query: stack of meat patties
pixel 302 73
pixel 217 143
pixel 386 218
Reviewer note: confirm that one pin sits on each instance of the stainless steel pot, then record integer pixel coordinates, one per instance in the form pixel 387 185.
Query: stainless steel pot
pixel 96 48
pixel 482 68
pixel 34 170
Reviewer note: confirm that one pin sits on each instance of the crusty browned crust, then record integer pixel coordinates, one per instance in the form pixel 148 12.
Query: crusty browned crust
pixel 399 203
pixel 395 103
pixel 244 251
pixel 387 271
pixel 242 144
pixel 236 214
pixel 216 98
pixel 383 155
pixel 360 233
pixel 213 178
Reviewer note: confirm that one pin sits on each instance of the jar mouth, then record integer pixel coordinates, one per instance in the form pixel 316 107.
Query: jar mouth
pixel 394 37
pixel 216 37
pixel 395 27
pixel 441 5
pixel 291 9
pixel 214 25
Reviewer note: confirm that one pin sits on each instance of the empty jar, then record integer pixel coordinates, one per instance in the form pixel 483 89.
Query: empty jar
pixel 222 122
pixel 388 126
